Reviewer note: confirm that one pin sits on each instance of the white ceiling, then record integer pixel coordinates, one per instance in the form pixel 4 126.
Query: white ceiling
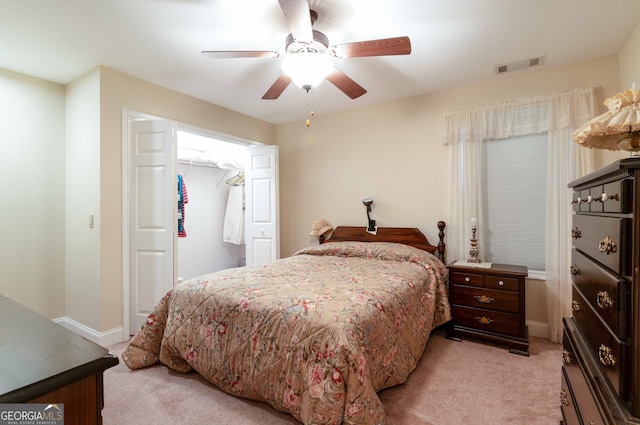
pixel 454 42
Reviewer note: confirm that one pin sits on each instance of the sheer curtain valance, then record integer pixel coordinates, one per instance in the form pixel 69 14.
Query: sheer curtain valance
pixel 558 115
pixel 520 117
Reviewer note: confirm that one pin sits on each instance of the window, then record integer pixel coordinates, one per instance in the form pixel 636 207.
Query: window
pixel 514 200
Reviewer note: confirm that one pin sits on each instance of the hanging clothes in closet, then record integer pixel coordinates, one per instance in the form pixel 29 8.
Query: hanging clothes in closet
pixel 183 198
pixel 233 230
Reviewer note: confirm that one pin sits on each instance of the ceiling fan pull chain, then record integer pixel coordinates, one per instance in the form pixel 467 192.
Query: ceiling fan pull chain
pixel 309 114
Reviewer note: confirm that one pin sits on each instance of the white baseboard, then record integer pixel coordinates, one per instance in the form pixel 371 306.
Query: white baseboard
pixel 538 329
pixel 105 339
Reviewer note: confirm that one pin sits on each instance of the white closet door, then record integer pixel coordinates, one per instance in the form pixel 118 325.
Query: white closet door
pixel 262 222
pixel 152 215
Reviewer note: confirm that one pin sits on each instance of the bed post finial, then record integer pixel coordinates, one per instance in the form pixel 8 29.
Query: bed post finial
pixel 441 245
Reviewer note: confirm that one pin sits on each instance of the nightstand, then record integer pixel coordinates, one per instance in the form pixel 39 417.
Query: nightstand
pixel 488 304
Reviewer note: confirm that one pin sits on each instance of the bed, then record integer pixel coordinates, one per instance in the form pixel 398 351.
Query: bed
pixel 315 335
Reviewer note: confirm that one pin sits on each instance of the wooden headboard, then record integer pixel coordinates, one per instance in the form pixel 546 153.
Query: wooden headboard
pixel 405 235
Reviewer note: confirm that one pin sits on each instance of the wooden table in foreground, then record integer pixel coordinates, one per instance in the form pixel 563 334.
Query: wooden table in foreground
pixel 43 362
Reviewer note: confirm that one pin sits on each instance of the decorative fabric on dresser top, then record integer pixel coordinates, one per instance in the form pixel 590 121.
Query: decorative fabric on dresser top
pixel 315 335
pixel 601 345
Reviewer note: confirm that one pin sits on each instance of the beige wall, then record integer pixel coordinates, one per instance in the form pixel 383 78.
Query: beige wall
pixel 82 193
pixel 394 153
pixel 118 91
pixel 32 192
pixel 630 62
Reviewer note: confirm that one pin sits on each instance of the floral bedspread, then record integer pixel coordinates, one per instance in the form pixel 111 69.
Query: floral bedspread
pixel 316 334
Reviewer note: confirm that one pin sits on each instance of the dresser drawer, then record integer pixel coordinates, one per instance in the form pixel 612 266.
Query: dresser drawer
pixel 605 347
pixel 607 293
pixel 491 299
pixel 581 200
pixel 605 239
pixel 487 320
pixel 567 405
pixel 464 278
pixel 583 398
pixel 614 197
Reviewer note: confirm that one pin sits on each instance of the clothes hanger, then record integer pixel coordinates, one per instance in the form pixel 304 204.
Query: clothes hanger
pixel 237 180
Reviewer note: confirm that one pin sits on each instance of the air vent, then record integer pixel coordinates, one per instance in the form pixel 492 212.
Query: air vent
pixel 516 66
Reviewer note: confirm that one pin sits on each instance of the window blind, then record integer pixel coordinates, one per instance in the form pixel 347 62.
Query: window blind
pixel 514 198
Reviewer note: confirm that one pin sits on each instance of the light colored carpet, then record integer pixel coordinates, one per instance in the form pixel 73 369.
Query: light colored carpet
pixel 454 383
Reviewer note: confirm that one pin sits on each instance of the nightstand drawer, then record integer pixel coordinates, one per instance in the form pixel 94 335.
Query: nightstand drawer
pixel 487 320
pixel 504 283
pixel 464 278
pixel 486 298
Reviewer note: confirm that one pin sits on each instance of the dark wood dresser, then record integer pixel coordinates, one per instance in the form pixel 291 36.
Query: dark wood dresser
pixel 43 362
pixel 601 342
pixel 489 304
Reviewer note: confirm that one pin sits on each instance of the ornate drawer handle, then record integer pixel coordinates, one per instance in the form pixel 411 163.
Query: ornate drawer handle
pixel 574 270
pixel 563 397
pixel 566 357
pixel 605 197
pixel 484 320
pixel 605 356
pixel 575 305
pixel 607 245
pixel 603 300
pixel 484 299
pixel 576 233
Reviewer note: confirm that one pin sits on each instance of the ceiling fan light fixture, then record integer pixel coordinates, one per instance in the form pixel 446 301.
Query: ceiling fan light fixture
pixel 307 69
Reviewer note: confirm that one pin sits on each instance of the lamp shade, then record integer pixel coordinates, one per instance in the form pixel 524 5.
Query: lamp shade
pixel 307 69
pixel 616 129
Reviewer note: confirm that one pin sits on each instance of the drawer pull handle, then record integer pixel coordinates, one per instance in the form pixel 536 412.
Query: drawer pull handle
pixel 563 397
pixel 501 283
pixel 466 279
pixel 607 245
pixel 575 305
pixel 575 270
pixel 484 320
pixel 484 299
pixel 606 197
pixel 576 233
pixel 566 357
pixel 603 300
pixel 605 356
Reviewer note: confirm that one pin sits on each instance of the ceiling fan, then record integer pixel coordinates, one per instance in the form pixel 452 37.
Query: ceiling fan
pixel 307 55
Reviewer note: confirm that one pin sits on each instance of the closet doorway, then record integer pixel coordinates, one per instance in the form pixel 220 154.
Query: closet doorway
pixel 212 235
pixel 152 250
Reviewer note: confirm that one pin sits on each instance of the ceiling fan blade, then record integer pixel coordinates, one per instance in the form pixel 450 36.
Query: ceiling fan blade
pixel 381 47
pixel 345 84
pixel 228 54
pixel 298 19
pixel 277 88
